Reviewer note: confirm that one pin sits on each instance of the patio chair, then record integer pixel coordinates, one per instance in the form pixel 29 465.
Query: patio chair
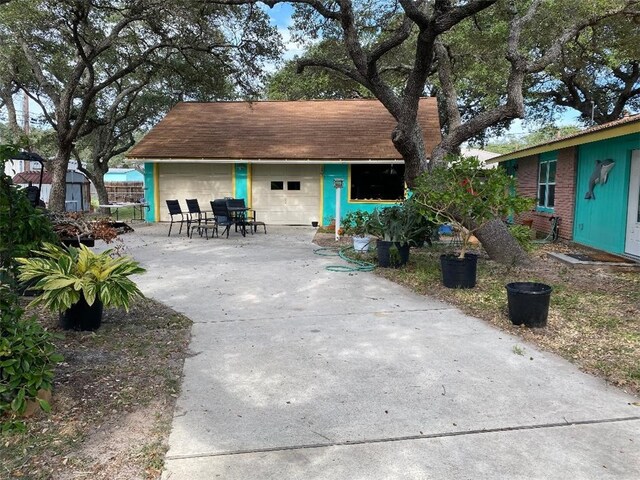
pixel 222 216
pixel 174 211
pixel 249 218
pixel 198 219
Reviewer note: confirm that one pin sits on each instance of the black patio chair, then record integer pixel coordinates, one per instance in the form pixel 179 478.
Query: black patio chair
pixel 222 216
pixel 174 211
pixel 198 219
pixel 248 219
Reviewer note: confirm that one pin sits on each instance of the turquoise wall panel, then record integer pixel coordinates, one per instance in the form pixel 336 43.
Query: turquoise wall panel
pixel 241 181
pixel 601 223
pixel 149 192
pixel 330 173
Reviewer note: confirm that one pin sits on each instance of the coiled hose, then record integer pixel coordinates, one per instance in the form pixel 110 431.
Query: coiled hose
pixel 359 265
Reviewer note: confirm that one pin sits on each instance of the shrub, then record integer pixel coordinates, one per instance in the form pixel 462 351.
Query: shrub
pixel 22 227
pixel 466 196
pixel 355 223
pixel 27 357
pixel 523 235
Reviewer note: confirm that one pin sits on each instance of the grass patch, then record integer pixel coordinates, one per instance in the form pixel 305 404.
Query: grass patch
pixel 594 315
pixel 112 403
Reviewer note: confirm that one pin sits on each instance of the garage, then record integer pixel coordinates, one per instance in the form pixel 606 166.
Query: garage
pixel 286 194
pixel 204 181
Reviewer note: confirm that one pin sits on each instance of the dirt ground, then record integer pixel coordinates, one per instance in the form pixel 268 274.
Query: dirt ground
pixel 594 316
pixel 113 400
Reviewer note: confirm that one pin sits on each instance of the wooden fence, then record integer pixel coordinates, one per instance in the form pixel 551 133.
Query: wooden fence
pixel 125 191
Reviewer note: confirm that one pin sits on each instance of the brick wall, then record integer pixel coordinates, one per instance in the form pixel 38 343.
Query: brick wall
pixel 565 192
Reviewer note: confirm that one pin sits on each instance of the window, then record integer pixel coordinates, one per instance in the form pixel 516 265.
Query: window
pixel 377 182
pixel 547 183
pixel 293 185
pixel 277 185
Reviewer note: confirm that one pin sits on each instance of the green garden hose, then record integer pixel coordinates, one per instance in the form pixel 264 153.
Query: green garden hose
pixel 360 265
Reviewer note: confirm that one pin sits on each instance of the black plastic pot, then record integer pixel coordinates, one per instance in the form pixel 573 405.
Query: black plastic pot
pixel 528 303
pixel 388 258
pixel 81 316
pixel 459 272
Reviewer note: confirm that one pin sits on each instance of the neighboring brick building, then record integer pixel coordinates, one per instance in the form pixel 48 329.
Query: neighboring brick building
pixel 558 173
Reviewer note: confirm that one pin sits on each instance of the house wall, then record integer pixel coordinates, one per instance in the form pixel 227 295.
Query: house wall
pixel 601 222
pixel 330 173
pixel 527 177
pixel 242 188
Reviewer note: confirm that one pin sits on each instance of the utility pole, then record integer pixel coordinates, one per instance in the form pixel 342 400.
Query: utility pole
pixel 25 113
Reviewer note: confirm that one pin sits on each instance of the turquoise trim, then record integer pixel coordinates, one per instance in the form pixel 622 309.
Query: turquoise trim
pixel 602 222
pixel 242 181
pixel 331 172
pixel 545 209
pixel 149 192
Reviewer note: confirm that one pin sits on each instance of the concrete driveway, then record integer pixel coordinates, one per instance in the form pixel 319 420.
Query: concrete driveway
pixel 301 373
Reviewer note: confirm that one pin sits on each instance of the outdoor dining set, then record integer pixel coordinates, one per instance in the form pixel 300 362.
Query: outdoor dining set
pixel 225 213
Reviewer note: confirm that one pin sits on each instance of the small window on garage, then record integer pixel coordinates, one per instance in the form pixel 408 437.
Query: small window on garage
pixel 277 185
pixel 547 182
pixel 293 185
pixel 377 182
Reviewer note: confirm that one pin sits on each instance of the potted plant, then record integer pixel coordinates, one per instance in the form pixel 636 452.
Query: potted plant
pixel 397 228
pixel 79 283
pixel 355 224
pixel 467 197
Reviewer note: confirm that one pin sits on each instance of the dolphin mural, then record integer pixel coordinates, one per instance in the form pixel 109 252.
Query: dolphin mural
pixel 599 175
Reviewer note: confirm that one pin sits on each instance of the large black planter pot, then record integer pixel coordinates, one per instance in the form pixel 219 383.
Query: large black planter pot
pixel 388 258
pixel 528 303
pixel 459 272
pixel 81 316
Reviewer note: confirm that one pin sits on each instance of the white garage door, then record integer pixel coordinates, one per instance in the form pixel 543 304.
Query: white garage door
pixel 204 181
pixel 286 194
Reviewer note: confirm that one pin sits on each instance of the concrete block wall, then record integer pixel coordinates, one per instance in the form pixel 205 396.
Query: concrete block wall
pixel 527 176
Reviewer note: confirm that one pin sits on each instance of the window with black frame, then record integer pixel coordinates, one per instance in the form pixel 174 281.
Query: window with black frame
pixel 377 182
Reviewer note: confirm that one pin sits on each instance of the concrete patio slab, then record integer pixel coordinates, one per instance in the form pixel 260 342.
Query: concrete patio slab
pixel 299 372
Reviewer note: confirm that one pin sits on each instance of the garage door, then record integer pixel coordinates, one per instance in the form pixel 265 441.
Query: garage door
pixel 286 194
pixel 204 181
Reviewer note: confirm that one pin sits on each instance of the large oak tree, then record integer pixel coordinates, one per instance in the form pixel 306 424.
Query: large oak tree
pixel 82 55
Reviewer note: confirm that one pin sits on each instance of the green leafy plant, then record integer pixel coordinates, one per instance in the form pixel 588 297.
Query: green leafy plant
pixel 467 196
pixel 65 274
pixel 22 227
pixel 355 223
pixel 522 234
pixel 27 357
pixel 403 224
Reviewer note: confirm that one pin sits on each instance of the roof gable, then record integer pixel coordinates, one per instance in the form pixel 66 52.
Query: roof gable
pixel 281 130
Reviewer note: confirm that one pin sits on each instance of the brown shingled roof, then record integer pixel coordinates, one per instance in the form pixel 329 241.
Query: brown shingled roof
pixel 281 130
pixel 33 177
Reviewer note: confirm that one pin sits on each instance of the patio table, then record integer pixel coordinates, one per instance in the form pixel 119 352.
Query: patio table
pixel 118 206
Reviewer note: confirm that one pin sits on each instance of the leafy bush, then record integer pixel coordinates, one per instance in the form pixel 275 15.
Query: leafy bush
pixel 523 235
pixel 355 223
pixel 64 274
pixel 22 227
pixel 27 357
pixel 403 224
pixel 467 196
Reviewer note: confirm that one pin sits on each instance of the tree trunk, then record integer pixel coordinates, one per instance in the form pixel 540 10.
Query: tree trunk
pixel 500 244
pixel 97 178
pixel 58 169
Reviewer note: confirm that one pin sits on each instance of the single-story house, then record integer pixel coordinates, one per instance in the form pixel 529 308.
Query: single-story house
pixel 282 157
pixel 590 180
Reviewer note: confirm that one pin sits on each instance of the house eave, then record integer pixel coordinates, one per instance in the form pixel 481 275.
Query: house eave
pixel 299 161
pixel 580 139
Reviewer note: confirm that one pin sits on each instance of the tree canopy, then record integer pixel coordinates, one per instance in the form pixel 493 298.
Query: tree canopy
pixel 87 63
